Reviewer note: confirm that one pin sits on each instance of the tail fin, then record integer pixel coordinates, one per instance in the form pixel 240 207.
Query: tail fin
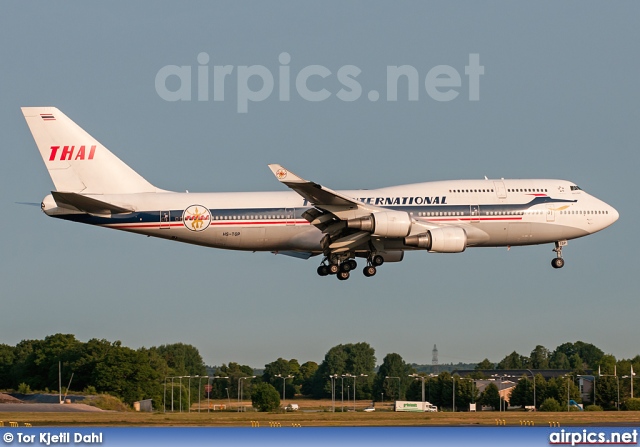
pixel 76 161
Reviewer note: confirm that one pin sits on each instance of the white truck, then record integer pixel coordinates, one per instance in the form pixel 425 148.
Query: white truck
pixel 406 405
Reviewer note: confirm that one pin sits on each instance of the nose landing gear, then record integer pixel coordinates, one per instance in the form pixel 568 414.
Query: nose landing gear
pixel 558 262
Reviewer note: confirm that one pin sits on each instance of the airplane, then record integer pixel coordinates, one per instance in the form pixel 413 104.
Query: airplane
pixel 93 186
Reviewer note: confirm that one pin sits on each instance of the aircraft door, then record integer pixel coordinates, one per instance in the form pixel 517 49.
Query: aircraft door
pixel 474 212
pixel 551 215
pixel 290 216
pixel 501 191
pixel 165 220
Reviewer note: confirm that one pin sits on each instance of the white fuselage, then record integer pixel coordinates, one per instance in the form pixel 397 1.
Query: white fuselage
pixel 492 212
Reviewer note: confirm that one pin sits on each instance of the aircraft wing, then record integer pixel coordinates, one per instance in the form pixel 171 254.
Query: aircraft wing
pixel 343 207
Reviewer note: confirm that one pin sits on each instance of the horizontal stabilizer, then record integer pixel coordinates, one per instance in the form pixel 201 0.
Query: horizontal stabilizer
pixel 71 200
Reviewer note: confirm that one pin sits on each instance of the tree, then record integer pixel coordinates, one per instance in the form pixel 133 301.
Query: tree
pixel 484 365
pixel 392 366
pixel 283 368
pixel 559 360
pixel 352 358
pixel 265 397
pixel 466 392
pixel 234 372
pixel 7 358
pixel 513 361
pixel 490 396
pixel 183 359
pixel 607 392
pixel 307 371
pixel 539 358
pixel 632 404
pixel 522 394
pixel 557 389
pixel 550 404
pixel 588 353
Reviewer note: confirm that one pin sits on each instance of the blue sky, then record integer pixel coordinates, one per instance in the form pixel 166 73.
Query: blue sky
pixel 558 99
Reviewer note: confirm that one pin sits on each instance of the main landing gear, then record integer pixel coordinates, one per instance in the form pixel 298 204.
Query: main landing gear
pixel 342 268
pixel 558 262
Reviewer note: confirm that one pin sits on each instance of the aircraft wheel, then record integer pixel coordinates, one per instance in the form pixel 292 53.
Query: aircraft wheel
pixel 557 263
pixel 323 270
pixel 369 271
pixel 353 264
pixel 345 266
pixel 333 269
pixel 343 276
pixel 377 260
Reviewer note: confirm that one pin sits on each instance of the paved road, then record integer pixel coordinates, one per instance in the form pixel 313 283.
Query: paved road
pixel 47 408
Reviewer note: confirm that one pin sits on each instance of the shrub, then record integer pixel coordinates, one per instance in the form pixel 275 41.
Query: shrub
pixel 90 390
pixel 632 404
pixel 593 408
pixel 106 402
pixel 265 397
pixel 550 404
pixel 23 388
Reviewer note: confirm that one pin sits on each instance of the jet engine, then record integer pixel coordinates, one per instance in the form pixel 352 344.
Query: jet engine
pixel 440 240
pixel 384 223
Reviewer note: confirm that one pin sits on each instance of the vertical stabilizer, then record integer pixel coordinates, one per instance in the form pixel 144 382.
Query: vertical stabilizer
pixel 76 161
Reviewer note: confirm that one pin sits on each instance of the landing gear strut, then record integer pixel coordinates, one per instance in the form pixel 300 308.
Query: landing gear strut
pixel 558 262
pixel 341 266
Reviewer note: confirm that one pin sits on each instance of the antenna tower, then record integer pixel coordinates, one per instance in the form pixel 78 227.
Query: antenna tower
pixel 434 360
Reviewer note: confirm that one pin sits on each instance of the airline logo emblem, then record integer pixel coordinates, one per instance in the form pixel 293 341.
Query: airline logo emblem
pixel 281 174
pixel 196 218
pixel 62 153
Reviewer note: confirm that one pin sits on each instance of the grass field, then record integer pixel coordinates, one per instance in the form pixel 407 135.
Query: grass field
pixel 321 415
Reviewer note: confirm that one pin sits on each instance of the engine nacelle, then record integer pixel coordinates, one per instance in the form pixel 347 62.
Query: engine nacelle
pixel 385 223
pixel 440 240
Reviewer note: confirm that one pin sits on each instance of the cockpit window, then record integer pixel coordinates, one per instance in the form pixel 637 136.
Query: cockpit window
pixel 575 188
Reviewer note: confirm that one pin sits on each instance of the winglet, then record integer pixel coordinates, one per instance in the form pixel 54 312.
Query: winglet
pixel 285 176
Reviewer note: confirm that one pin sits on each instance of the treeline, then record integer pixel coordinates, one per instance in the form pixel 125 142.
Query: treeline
pixel 108 367
pixel 98 366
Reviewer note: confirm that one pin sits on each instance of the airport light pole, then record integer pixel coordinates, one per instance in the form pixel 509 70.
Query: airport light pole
pixel 348 392
pixel 164 397
pixel 190 393
pixel 284 380
pixel 172 394
pixel 568 396
pixel 354 388
pixel 618 382
pixel 389 377
pixel 180 393
pixel 533 378
pixel 348 388
pixel 453 379
pixel 500 388
pixel 241 386
pixel 199 389
pixel 418 377
pixel 629 377
pixel 209 394
pixel 342 393
pixel 332 377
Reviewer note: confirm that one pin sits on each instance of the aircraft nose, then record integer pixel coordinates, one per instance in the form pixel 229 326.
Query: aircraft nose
pixel 613 213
